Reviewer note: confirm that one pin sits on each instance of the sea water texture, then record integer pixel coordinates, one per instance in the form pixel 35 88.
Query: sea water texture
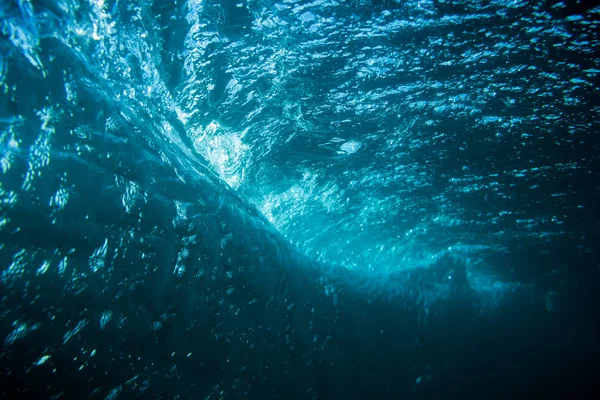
pixel 329 199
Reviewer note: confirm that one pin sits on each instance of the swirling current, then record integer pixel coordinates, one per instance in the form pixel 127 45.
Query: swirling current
pixel 328 199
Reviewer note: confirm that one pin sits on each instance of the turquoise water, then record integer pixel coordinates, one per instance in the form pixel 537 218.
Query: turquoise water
pixel 328 199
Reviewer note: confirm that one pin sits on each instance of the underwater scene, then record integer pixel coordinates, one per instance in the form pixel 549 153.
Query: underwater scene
pixel 299 199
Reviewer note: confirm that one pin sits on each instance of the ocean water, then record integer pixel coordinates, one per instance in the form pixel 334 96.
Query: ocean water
pixel 329 199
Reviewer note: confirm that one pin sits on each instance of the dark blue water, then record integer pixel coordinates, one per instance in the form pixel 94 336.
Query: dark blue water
pixel 299 200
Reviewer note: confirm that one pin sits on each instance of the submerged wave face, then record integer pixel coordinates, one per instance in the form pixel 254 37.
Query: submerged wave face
pixel 299 199
pixel 381 134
